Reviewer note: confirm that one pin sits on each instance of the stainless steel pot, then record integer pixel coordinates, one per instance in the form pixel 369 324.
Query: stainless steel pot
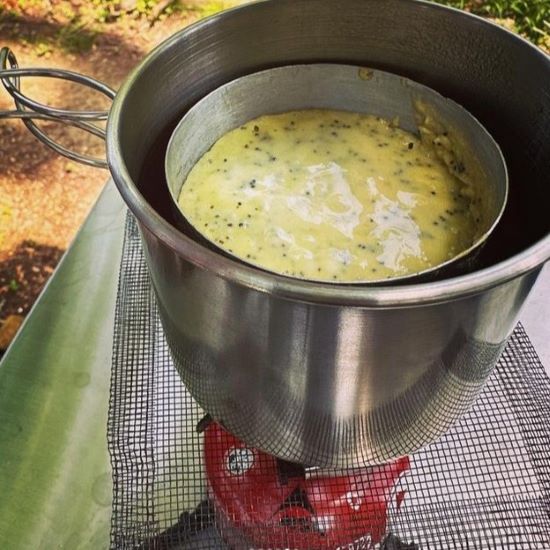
pixel 318 373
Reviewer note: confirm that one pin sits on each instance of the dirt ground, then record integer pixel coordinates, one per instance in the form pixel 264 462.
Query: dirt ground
pixel 44 197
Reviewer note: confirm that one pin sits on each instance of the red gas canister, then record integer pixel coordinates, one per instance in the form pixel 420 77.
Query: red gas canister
pixel 264 502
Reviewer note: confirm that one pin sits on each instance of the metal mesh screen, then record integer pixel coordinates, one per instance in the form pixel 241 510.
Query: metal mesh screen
pixel 484 484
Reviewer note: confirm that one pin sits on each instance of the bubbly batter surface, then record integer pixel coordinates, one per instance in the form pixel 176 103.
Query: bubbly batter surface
pixel 329 196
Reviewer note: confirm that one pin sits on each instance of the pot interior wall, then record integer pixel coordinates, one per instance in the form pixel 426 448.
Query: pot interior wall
pixel 499 78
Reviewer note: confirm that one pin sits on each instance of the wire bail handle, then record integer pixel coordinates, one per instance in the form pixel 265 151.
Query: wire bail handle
pixel 29 110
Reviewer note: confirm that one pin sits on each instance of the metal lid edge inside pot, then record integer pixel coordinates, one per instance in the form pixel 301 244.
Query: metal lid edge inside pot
pixel 354 89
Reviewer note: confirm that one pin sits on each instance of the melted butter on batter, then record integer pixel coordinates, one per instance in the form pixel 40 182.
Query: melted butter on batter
pixel 330 196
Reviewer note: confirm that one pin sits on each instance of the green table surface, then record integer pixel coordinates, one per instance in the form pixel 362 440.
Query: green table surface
pixel 55 479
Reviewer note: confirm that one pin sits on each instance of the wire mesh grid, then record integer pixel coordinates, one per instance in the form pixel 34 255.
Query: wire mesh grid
pixel 484 484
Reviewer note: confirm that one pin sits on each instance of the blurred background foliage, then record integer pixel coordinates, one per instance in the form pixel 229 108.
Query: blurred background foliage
pixel 531 18
pixel 83 20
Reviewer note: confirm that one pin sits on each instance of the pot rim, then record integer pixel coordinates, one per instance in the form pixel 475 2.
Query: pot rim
pixel 297 289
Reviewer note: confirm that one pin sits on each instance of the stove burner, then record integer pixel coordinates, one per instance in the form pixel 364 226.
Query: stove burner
pixel 264 502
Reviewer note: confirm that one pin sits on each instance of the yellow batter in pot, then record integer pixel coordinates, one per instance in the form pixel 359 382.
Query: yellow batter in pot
pixel 330 196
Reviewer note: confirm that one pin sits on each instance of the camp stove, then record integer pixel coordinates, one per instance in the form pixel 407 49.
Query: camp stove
pixel 261 501
pixel 182 482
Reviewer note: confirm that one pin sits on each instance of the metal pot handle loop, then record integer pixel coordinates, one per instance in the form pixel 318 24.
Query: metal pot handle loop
pixel 29 110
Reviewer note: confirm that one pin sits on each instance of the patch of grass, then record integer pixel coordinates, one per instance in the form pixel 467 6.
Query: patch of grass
pixel 144 7
pixel 76 37
pixel 210 8
pixel 531 17
pixel 107 10
pixel 43 49
pixel 95 14
pixel 7 14
pixel 24 4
